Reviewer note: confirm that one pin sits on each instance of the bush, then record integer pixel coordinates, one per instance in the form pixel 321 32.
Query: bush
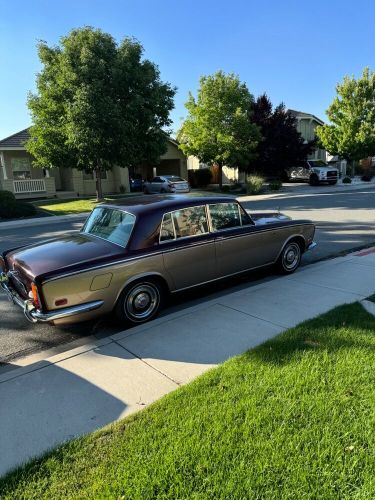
pixel 254 184
pixel 366 177
pixel 122 189
pixel 225 188
pixel 10 208
pixel 202 177
pixel 6 197
pixel 346 180
pixel 275 185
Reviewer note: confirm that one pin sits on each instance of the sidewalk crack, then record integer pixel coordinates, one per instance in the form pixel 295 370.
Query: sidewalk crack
pixel 147 364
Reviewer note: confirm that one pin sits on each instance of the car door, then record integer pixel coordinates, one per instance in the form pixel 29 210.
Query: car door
pixel 240 244
pixel 188 247
pixel 156 185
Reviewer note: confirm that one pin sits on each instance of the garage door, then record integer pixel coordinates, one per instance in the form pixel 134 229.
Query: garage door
pixel 169 167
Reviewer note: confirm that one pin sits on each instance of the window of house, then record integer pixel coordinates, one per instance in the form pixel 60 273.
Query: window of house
pixel 21 168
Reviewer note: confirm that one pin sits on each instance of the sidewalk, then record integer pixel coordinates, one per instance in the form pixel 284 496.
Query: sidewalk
pixel 46 403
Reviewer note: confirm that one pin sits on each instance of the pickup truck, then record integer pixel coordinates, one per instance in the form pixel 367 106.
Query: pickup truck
pixel 313 171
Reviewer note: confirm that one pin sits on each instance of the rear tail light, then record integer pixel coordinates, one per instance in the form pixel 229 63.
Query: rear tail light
pixel 35 294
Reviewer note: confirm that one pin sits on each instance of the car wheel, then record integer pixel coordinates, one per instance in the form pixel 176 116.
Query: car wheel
pixel 163 190
pixel 140 302
pixel 290 258
pixel 332 183
pixel 314 180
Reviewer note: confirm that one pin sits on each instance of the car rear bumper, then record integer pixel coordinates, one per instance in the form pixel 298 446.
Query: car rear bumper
pixel 34 315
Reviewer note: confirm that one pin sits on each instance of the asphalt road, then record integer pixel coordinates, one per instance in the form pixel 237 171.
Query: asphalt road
pixel 345 221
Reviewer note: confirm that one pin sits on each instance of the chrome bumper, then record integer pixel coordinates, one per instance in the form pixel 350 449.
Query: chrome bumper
pixel 311 246
pixel 34 315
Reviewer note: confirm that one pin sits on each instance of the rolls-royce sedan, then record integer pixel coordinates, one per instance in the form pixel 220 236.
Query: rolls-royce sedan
pixel 130 254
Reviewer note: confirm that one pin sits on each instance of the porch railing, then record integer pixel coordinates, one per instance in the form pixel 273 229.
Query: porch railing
pixel 29 186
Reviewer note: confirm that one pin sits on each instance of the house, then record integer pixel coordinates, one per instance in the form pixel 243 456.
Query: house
pixel 306 125
pixel 18 175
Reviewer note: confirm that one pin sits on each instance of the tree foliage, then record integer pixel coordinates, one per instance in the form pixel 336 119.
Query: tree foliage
pixel 217 129
pixel 97 104
pixel 281 145
pixel 351 133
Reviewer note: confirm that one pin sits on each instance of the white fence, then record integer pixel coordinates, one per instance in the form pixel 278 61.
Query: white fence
pixel 29 186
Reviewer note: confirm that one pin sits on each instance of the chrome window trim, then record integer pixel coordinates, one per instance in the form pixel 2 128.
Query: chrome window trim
pixel 174 227
pixel 104 239
pixel 225 203
pixel 160 252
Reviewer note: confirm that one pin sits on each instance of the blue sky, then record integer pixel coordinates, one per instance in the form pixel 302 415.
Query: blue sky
pixel 294 51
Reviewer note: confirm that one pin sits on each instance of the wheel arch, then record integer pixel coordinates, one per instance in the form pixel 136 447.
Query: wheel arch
pixel 144 276
pixel 298 238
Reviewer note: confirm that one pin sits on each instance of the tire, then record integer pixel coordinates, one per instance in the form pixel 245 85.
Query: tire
pixel 314 180
pixel 140 302
pixel 163 190
pixel 332 183
pixel 290 258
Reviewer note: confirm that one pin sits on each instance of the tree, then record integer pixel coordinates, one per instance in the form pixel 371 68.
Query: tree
pixel 351 133
pixel 217 130
pixel 281 145
pixel 97 104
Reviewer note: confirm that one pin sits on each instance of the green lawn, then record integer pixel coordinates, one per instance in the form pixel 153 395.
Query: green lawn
pixel 76 206
pixel 293 418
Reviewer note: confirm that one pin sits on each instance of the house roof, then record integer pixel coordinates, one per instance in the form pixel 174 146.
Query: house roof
pixel 16 140
pixel 301 114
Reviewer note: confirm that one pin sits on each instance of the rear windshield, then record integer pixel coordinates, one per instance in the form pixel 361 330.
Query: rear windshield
pixel 110 224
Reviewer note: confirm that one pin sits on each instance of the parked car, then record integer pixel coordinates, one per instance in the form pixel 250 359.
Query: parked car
pixel 136 184
pixel 167 184
pixel 131 254
pixel 313 171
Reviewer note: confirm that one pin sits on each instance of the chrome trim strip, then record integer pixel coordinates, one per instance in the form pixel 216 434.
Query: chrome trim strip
pixel 65 312
pixel 312 245
pixel 142 256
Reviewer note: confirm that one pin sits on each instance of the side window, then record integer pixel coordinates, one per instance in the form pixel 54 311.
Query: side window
pixel 224 216
pixel 156 179
pixel 190 221
pixel 167 229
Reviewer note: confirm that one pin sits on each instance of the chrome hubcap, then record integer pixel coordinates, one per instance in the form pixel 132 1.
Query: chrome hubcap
pixel 291 256
pixel 142 301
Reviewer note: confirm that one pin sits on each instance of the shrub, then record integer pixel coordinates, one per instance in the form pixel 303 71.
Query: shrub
pixel 366 177
pixel 203 177
pixel 275 185
pixel 225 188
pixel 6 197
pixel 10 208
pixel 122 189
pixel 346 180
pixel 236 186
pixel 254 184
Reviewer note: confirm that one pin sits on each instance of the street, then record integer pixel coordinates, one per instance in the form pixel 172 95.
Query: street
pixel 345 221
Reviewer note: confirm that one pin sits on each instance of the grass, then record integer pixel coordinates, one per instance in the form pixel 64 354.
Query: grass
pixel 293 418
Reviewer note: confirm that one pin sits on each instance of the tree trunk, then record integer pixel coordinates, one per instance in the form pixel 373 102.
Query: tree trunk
pixel 353 168
pixel 220 176
pixel 98 183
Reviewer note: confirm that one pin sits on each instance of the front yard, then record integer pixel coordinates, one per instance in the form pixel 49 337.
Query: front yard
pixel 293 418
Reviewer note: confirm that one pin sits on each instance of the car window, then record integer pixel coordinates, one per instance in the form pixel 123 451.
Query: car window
pixel 167 228
pixel 174 178
pixel 110 224
pixel 190 221
pixel 224 216
pixel 157 179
